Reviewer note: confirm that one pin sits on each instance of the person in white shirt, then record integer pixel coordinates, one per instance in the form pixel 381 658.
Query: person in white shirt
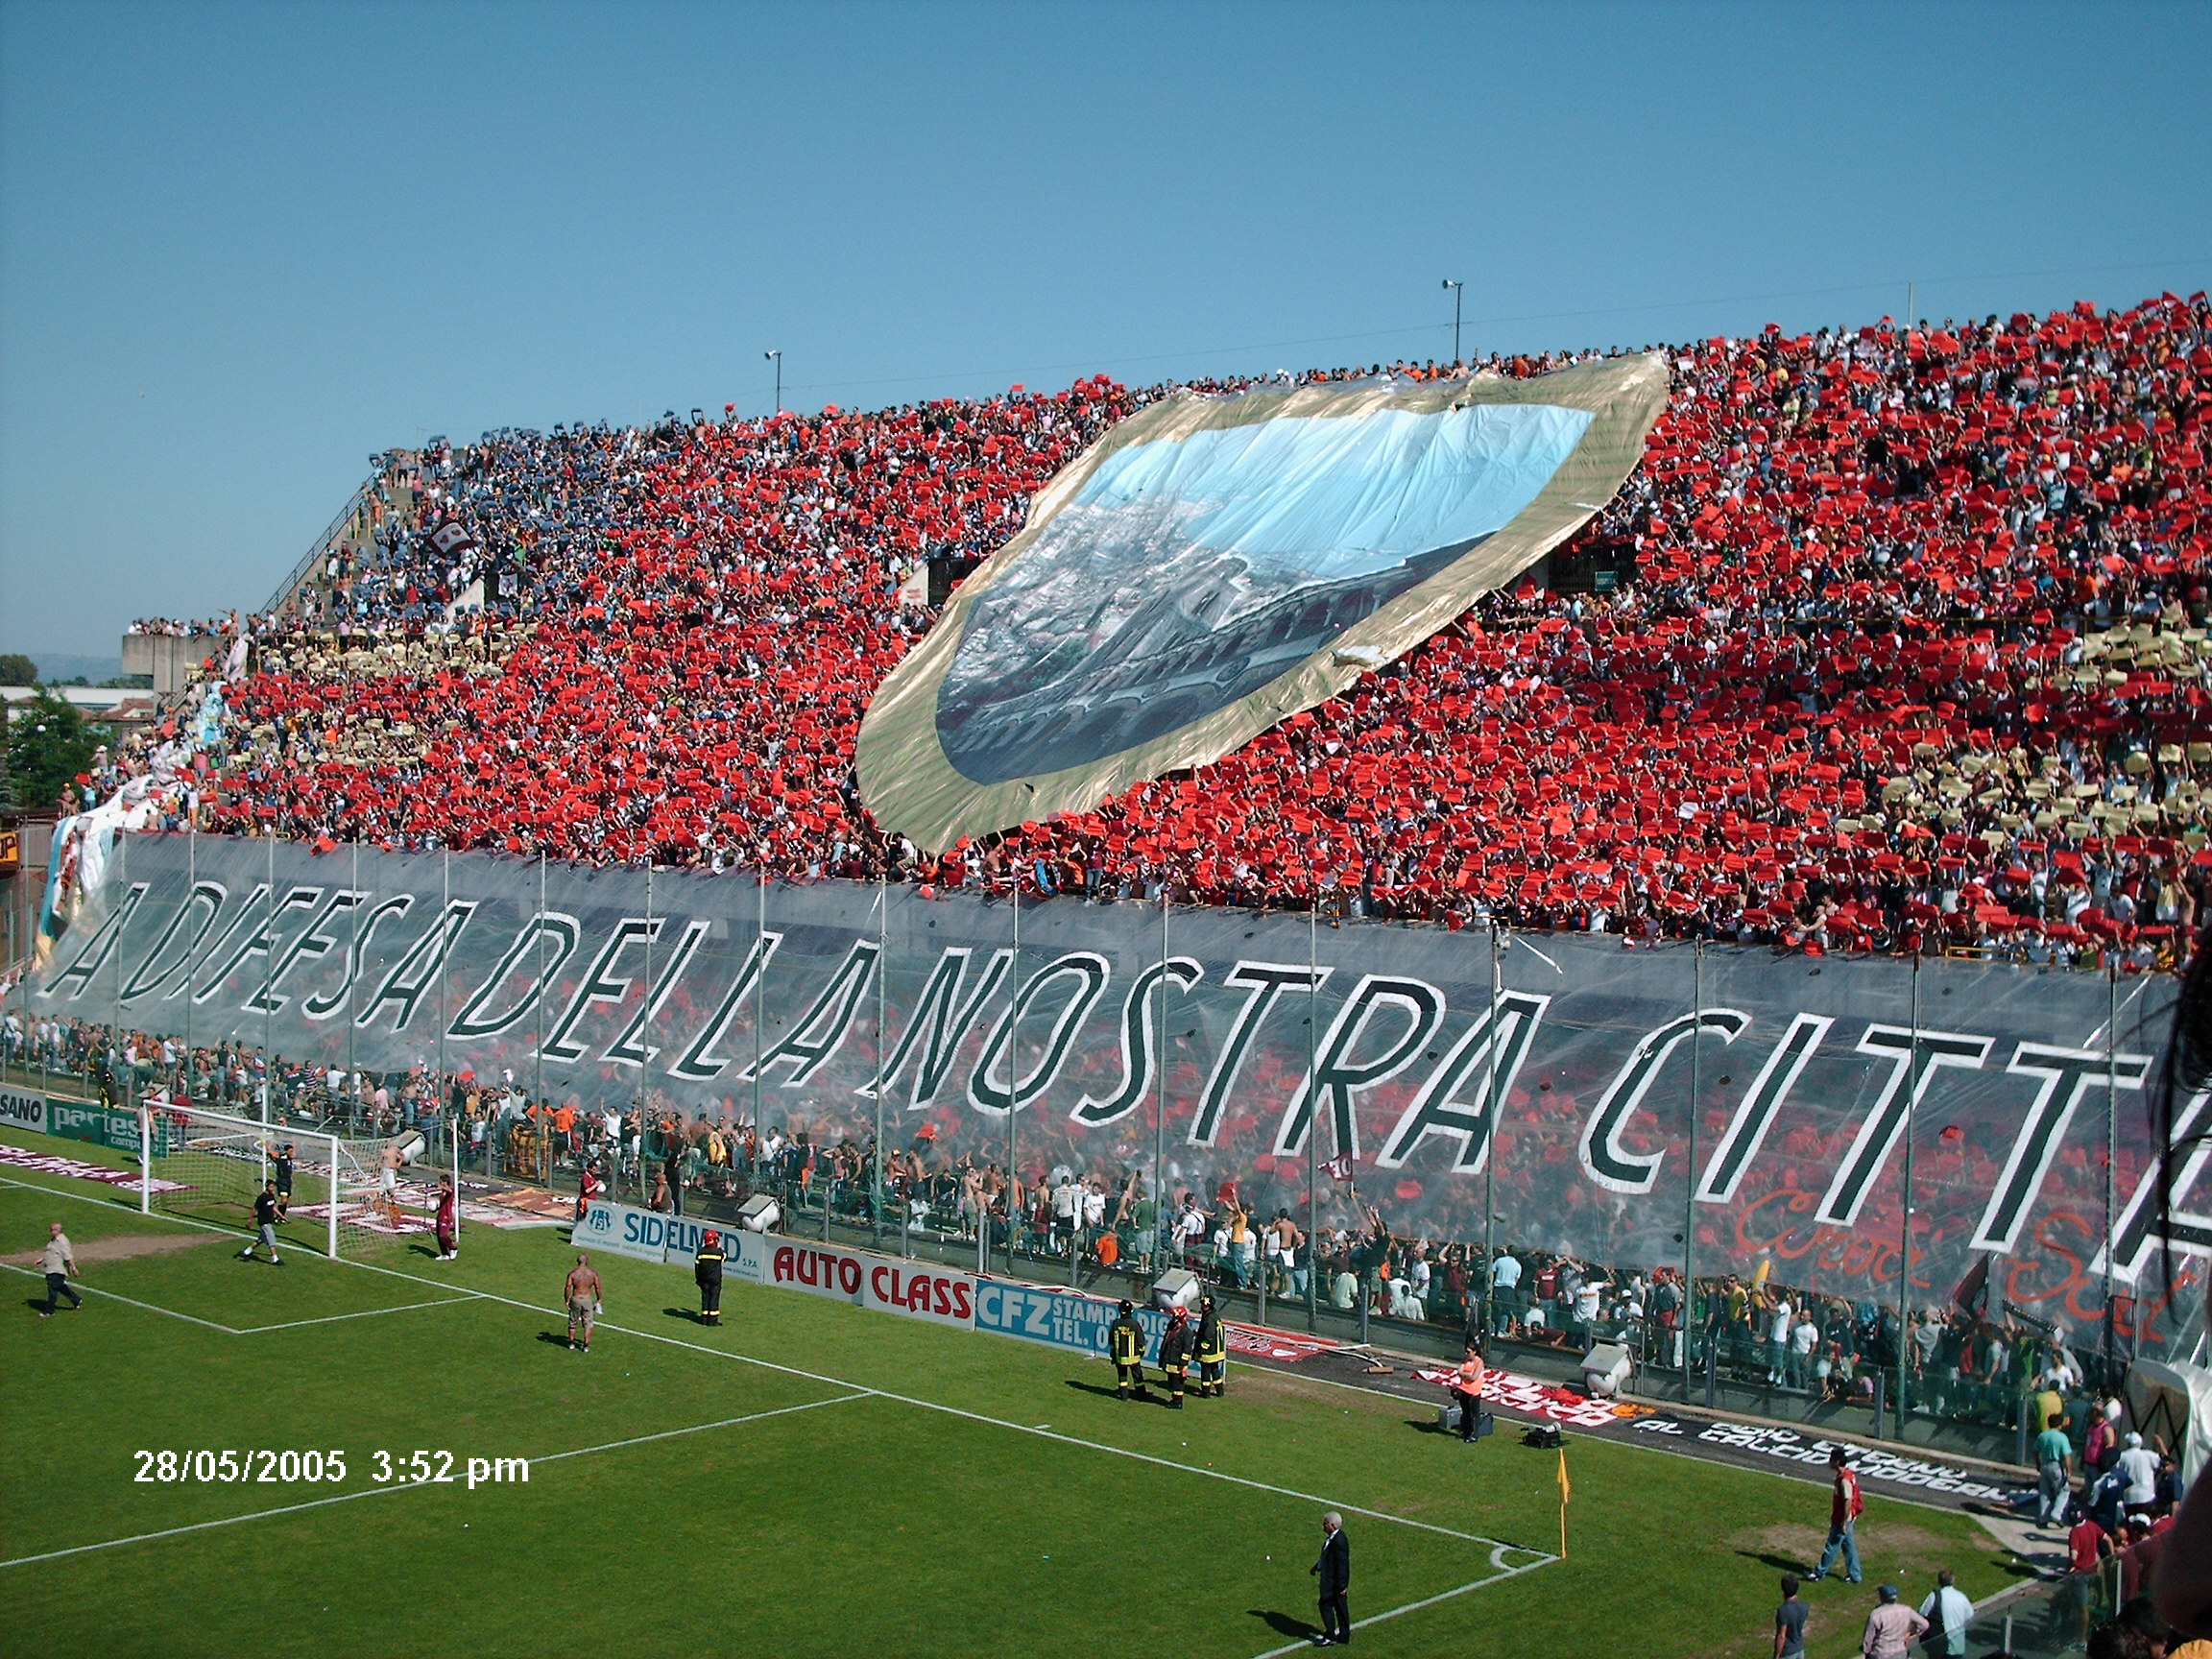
pixel 1948 1613
pixel 1586 1304
pixel 1067 1210
pixel 1093 1211
pixel 1804 1339
pixel 2141 1468
pixel 1504 1291
pixel 1781 1322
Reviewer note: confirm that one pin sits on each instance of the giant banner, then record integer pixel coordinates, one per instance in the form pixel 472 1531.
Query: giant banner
pixel 1211 1048
pixel 1214 564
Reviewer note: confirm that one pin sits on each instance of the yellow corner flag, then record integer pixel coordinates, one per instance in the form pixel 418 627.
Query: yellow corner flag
pixel 1566 1491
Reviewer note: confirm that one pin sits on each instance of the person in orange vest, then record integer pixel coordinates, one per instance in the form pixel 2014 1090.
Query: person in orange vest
pixel 1467 1390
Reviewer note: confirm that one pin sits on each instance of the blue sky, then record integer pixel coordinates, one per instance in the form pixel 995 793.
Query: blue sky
pixel 242 246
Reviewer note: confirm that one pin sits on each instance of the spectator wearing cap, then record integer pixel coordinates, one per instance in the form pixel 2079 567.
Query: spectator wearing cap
pixel 1892 1627
pixel 2140 1465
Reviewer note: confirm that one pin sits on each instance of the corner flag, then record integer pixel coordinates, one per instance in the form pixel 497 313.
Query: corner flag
pixel 1566 1491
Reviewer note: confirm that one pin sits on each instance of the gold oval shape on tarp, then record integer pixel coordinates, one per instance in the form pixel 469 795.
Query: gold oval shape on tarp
pixel 1215 564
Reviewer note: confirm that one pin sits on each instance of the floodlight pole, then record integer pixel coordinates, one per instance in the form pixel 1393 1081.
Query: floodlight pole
pixel 777 358
pixel 1457 288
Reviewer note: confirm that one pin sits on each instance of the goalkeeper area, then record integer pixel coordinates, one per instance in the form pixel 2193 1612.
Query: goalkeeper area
pixel 210 1167
pixel 386 1453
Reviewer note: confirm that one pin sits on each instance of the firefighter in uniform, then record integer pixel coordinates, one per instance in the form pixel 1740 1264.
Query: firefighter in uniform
pixel 1212 1349
pixel 1175 1354
pixel 1125 1344
pixel 707 1269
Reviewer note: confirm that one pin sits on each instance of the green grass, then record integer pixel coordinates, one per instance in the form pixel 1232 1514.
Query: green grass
pixel 871 1521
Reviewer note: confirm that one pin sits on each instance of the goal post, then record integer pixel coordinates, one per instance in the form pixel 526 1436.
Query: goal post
pixel 210 1167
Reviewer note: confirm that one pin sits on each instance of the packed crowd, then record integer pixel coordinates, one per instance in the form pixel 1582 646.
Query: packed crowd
pixel 214 627
pixel 1909 651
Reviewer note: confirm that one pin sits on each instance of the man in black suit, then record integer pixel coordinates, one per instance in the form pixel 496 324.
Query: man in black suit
pixel 1335 1570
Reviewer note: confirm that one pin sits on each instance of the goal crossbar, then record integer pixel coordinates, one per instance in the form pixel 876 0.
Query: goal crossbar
pixel 170 1127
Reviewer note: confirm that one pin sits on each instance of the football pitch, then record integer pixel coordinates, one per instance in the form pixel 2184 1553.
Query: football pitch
pixel 808 1478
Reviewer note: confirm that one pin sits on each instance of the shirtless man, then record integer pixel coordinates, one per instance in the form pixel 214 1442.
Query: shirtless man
pixel 582 1294
pixel 388 1181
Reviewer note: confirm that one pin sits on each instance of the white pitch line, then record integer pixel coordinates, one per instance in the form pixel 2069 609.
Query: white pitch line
pixel 364 1313
pixel 95 1290
pixel 996 1422
pixel 1543 1558
pixel 252 1329
pixel 702 1427
pixel 407 1486
pixel 1502 1573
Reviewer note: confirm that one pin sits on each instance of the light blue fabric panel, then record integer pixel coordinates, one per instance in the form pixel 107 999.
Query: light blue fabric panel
pixel 1330 496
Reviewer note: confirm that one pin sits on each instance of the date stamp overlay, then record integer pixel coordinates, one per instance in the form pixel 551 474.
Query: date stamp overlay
pixel 379 1466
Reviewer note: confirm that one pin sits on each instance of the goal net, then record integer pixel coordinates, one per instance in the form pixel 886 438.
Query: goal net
pixel 210 1167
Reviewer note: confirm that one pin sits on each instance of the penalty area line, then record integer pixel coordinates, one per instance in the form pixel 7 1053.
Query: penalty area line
pixel 364 1313
pixel 411 1485
pixel 129 1302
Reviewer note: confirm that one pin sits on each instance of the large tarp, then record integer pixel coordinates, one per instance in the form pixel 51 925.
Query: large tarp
pixel 1215 564
pixel 1187 1043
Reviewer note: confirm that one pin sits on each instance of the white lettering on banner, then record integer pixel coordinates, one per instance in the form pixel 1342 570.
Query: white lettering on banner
pixel 1058 1318
pixel 21 1109
pixel 1872 1463
pixel 916 1290
pixel 621 1229
pixel 1266 1344
pixel 77 1170
pixel 206 894
pixel 1539 1399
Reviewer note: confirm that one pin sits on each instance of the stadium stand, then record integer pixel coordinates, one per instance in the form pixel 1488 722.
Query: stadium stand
pixel 1896 639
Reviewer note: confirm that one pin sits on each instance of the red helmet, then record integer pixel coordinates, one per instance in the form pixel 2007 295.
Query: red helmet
pixel 711 1237
pixel 1177 1315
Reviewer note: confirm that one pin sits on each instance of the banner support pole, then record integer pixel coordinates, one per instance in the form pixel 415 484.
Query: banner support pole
pixel 877 1179
pixel 1013 1088
pixel 1312 1121
pixel 2111 1148
pixel 1690 1175
pixel 1155 1259
pixel 1487 1284
pixel 1905 1206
